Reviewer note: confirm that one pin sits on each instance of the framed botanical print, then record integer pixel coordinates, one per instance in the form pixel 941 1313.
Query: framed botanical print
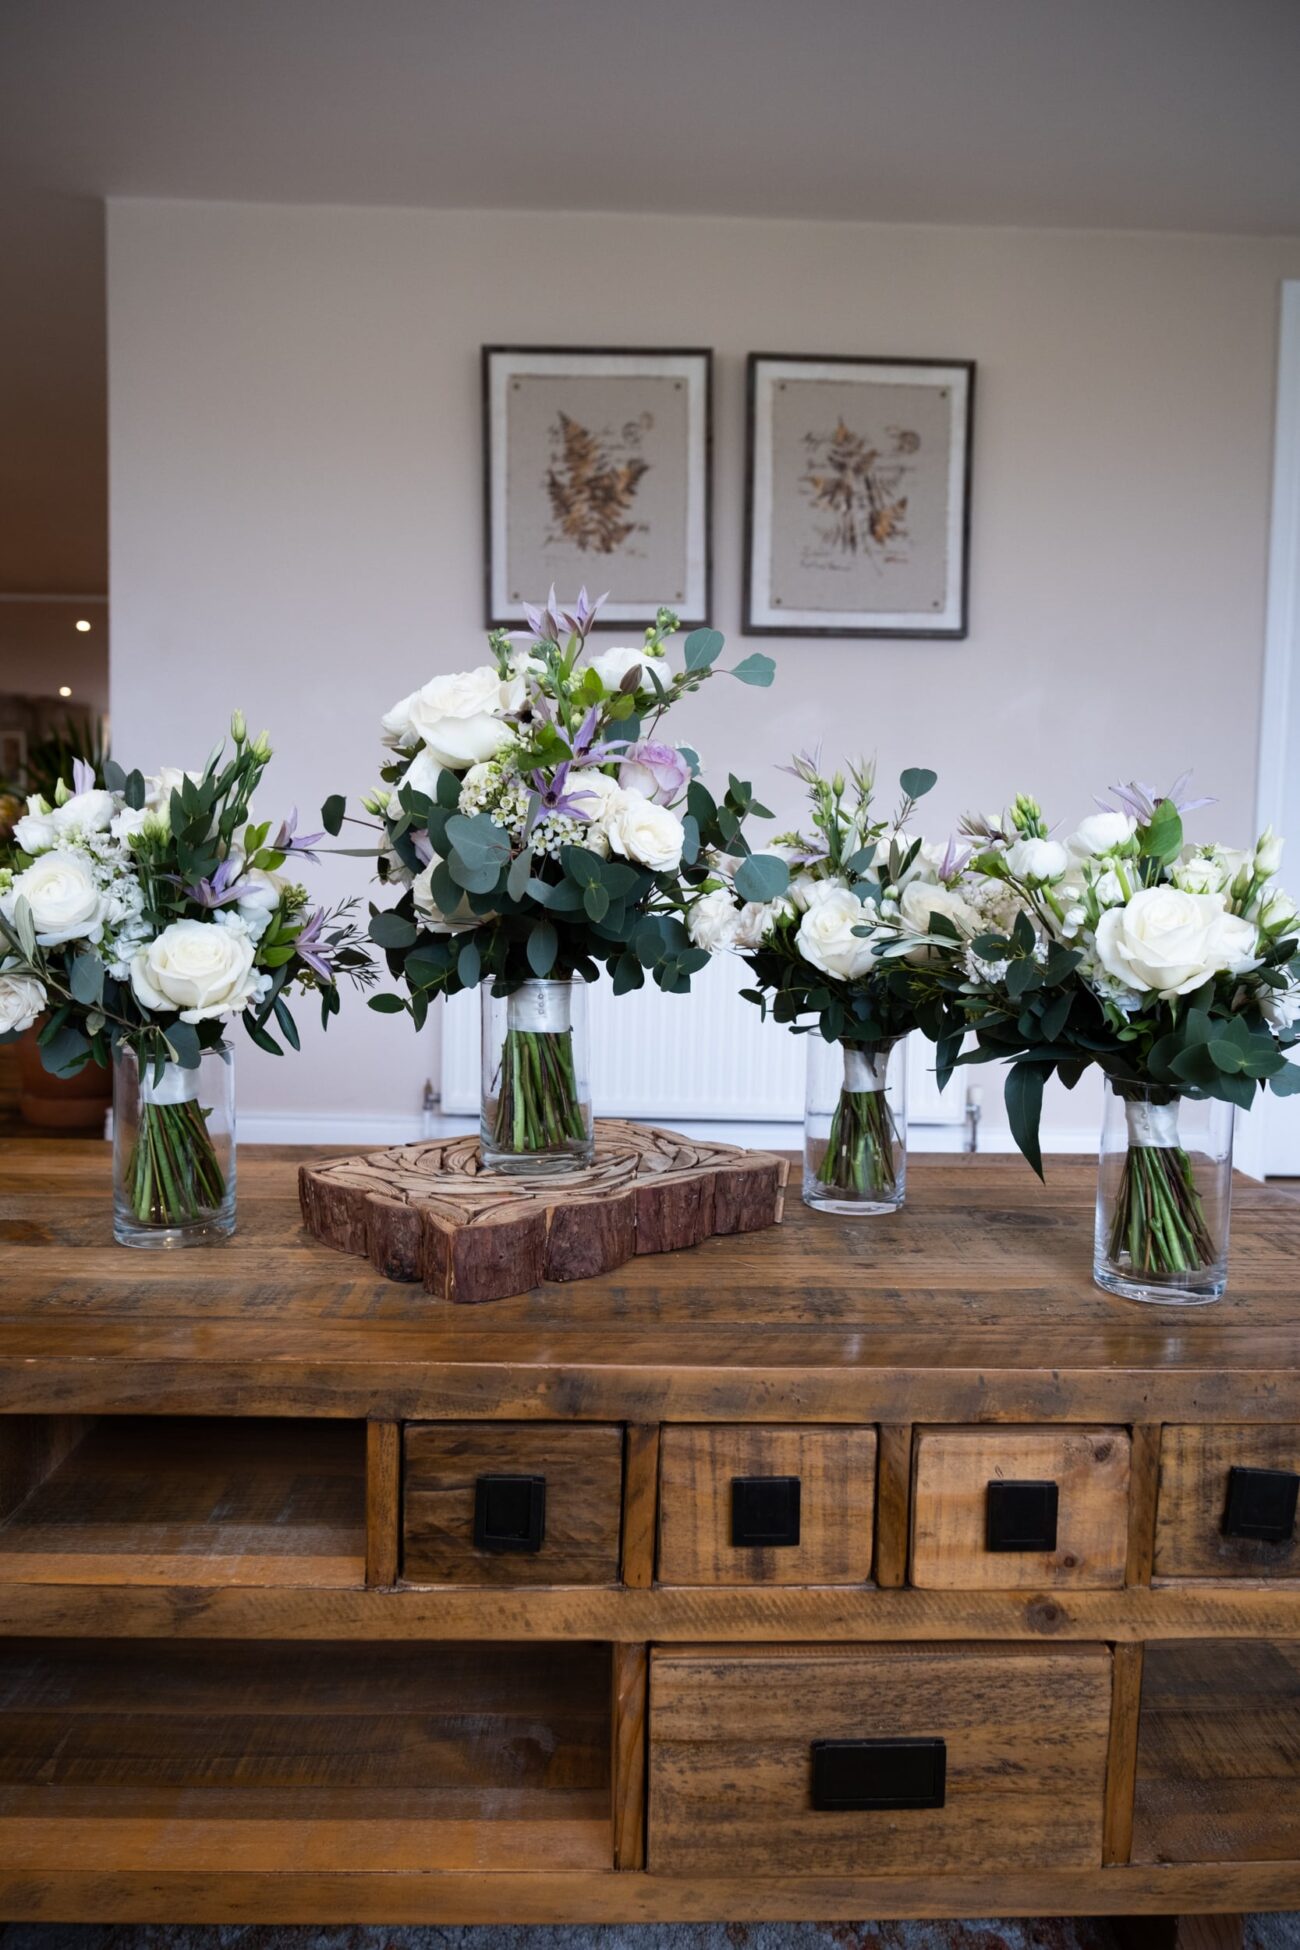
pixel 857 501
pixel 597 471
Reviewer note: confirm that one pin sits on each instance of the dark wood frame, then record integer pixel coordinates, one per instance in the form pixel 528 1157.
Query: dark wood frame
pixel 755 359
pixel 487 353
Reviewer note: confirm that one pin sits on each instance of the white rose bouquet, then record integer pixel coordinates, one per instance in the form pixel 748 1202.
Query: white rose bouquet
pixel 1172 967
pixel 535 824
pixel 142 915
pixel 835 926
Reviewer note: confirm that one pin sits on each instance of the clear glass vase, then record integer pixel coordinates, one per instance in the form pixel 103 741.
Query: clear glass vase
pixel 173 1151
pixel 1164 1197
pixel 536 1099
pixel 855 1127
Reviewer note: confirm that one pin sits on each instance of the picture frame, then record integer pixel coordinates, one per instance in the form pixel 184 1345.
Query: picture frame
pixel 598 471
pixel 857 496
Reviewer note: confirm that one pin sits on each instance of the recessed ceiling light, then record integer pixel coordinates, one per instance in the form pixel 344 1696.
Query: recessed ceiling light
pixel 83 625
pixel 65 690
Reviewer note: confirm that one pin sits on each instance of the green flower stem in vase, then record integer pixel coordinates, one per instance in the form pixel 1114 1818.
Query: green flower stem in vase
pixel 855 1128
pixel 536 1106
pixel 174 1166
pixel 1163 1198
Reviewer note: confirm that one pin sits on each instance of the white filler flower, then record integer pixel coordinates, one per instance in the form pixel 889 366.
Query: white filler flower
pixel 1168 941
pixel 200 968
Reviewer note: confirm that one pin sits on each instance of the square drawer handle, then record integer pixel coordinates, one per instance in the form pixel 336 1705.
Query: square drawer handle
pixel 764 1512
pixel 879 1774
pixel 1021 1516
pixel 1261 1504
pixel 509 1513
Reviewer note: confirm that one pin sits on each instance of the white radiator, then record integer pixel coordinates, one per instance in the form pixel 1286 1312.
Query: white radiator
pixel 706 1055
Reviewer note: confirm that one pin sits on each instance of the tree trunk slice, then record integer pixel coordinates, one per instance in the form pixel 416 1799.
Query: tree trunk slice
pixel 429 1212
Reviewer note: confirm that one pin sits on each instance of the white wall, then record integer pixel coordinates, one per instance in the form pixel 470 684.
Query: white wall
pixel 296 495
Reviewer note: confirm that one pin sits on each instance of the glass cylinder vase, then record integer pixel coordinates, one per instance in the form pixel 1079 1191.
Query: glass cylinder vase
pixel 855 1127
pixel 173 1150
pixel 1164 1195
pixel 536 1098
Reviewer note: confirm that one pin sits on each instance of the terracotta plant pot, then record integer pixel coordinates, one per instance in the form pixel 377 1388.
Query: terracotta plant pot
pixel 61 1103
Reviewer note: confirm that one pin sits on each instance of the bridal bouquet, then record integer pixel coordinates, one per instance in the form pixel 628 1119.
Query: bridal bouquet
pixel 834 924
pixel 1171 966
pixel 535 822
pixel 137 919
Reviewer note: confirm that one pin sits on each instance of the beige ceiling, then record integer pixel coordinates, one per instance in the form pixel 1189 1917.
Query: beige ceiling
pixel 1162 114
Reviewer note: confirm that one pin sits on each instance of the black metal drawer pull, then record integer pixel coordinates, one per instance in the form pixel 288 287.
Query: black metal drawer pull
pixel 1021 1516
pixel 509 1513
pixel 764 1511
pixel 1261 1504
pixel 879 1773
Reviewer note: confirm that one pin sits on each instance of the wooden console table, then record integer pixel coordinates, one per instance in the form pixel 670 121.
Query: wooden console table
pixel 872 1570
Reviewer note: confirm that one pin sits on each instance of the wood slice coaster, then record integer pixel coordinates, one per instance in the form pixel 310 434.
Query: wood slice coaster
pixel 428 1212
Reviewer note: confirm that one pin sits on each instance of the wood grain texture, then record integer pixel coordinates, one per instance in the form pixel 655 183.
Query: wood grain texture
pixel 837 1473
pixel 583 1467
pixel 1144 1491
pixel 640 1504
pixel 383 1501
pixel 629 1710
pixel 1194 1466
pixel 1121 1763
pixel 893 1499
pixel 206 1502
pixel 952 1471
pixel 30 1447
pixel 1217 1772
pixel 429 1212
pixel 982 1310
pixel 1026 1739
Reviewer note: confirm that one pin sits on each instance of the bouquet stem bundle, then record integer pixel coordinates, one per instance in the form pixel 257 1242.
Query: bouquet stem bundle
pixel 1159 1219
pixel 860 1149
pixel 174 1177
pixel 538 1106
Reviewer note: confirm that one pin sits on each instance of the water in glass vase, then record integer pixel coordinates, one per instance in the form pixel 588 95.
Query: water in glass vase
pixel 173 1150
pixel 1164 1192
pixel 536 1100
pixel 855 1127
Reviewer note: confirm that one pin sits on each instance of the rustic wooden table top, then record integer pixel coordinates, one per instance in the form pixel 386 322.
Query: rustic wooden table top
pixel 975 1302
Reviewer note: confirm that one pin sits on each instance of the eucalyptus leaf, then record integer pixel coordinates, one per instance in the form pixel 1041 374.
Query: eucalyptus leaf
pixel 542 947
pixel 469 963
pixel 762 878
pixel 331 813
pixel 702 648
pixel 757 670
pixel 86 980
pixel 392 930
pixel 917 780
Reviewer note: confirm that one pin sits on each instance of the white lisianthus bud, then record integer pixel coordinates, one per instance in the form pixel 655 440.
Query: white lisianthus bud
pixel 62 793
pixel 1037 862
pixel 1103 833
pixel 1268 853
pixel 238 727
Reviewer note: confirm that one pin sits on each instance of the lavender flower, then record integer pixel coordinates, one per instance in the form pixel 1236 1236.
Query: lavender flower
pixel 1140 800
pixel 549 796
pixel 226 886
pixel 289 840
pixel 545 623
pixel 582 616
pixel 313 949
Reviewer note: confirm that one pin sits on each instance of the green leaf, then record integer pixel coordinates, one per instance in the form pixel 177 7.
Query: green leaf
pixel 517 878
pixel 387 1005
pixel 762 877
pixel 690 840
pixel 1162 837
pixel 1225 1056
pixel 627 975
pixel 479 841
pixel 469 963
pixel 331 813
pixel 757 670
pixel 86 980
pixel 917 780
pixel 261 1037
pixel 1286 1082
pixel 701 805
pixel 25 927
pixel 562 897
pixel 133 791
pixel 392 930
pixel 474 879
pixel 183 1041
pixel 595 900
pixel 288 1027
pixel 858 863
pixel 1024 1100
pixel 1021 977
pixel 542 947
pixel 587 869
pixel 448 790
pixel 702 648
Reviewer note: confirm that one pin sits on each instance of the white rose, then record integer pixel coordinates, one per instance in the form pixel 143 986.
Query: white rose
pixel 802 891
pixel 711 922
pixel 431 915
pixel 650 835
pixel 36 832
pixel 259 900
pixel 612 666
pixel 396 729
pixel 1103 832
pixel 1200 873
pixel 201 969
pixel 601 795
pixel 22 998
pixel 85 812
pixel 66 902
pixel 757 919
pixel 826 938
pixel 920 901
pixel 1040 861
pixel 1168 941
pixel 422 775
pixel 459 717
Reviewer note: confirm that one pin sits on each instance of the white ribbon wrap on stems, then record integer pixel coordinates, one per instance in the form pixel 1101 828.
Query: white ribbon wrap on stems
pixel 176 1085
pixel 541 1009
pixel 1152 1127
pixel 864 1069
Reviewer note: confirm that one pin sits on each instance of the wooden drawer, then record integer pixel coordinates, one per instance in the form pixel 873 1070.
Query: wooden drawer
pixel 981 1498
pixel 735 1780
pixel 720 1484
pixel 512 1503
pixel 1204 1510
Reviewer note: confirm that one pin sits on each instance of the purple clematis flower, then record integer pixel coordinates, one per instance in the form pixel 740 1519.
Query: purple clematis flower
pixel 313 948
pixel 226 886
pixel 954 860
pixel 805 766
pixel 582 616
pixel 1139 801
pixel 658 771
pixel 289 840
pixel 544 623
pixel 549 796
